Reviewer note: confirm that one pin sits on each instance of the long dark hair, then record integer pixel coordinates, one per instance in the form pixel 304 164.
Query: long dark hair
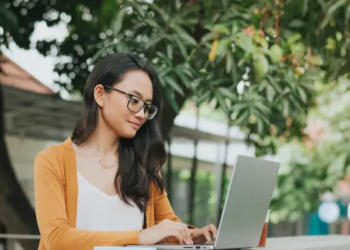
pixel 141 157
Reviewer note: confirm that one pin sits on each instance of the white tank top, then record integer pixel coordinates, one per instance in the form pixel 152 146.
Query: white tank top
pixel 98 211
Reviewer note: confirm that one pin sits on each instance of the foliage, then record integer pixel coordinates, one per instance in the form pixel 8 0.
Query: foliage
pixel 317 164
pixel 204 49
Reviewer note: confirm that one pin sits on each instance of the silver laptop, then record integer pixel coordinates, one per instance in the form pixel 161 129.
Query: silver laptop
pixel 247 202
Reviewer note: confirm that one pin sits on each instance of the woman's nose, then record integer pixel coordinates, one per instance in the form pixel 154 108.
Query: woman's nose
pixel 140 114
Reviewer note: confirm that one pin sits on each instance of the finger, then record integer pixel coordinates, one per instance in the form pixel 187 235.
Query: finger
pixel 188 235
pixel 172 230
pixel 182 230
pixel 206 233
pixel 184 235
pixel 179 236
pixel 185 232
pixel 213 230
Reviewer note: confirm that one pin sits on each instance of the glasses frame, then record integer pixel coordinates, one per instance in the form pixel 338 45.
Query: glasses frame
pixel 130 96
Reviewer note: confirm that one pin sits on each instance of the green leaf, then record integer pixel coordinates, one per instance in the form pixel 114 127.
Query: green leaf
pixel 8 19
pixel 263 85
pixel 217 83
pixel 323 4
pixel 208 37
pixel 222 46
pixel 261 41
pixel 243 118
pixel 227 93
pixel 222 103
pixel 185 80
pixel 165 71
pixel 296 23
pixel 347 15
pixel 162 14
pixel 97 55
pixel 121 47
pixel 270 93
pixel 153 24
pixel 203 98
pixel 169 50
pixel 274 83
pixel 302 94
pixel 187 71
pixel 222 29
pixel 203 70
pixel 184 35
pixel 332 11
pixel 229 61
pixel 260 106
pixel 234 28
pixel 181 46
pixel 271 31
pixel 234 72
pixel 305 7
pixel 294 38
pixel 244 41
pixel 174 85
pixel 118 21
pixel 286 108
pixel 298 48
pixel 153 41
pixel 260 126
pixel 171 98
pixel 137 8
pixel 338 4
pixel 239 107
pixel 164 58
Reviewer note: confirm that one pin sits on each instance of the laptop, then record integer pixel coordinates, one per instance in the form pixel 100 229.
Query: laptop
pixel 247 202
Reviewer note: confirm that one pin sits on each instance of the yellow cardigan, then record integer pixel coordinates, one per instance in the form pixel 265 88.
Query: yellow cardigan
pixel 56 192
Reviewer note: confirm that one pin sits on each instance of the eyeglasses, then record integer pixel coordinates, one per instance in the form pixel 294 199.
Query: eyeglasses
pixel 135 104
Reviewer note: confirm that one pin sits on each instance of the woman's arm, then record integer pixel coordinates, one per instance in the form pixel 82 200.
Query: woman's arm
pixel 162 207
pixel 56 233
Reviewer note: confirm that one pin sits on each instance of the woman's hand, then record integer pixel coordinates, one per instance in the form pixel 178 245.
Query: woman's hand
pixel 201 235
pixel 166 229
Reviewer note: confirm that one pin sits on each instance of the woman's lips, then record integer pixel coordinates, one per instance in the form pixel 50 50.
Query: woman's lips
pixel 135 125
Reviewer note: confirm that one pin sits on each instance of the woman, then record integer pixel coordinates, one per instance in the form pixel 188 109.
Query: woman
pixel 101 187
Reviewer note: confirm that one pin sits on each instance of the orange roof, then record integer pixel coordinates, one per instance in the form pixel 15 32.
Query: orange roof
pixel 14 76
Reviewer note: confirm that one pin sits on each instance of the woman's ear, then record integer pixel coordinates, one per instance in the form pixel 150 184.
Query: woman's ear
pixel 99 94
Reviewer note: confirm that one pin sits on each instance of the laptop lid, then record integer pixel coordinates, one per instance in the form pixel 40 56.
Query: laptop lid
pixel 247 202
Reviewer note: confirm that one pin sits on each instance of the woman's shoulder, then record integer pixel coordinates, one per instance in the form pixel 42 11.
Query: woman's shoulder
pixel 55 150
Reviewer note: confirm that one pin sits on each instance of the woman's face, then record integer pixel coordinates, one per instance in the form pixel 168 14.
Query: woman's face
pixel 114 110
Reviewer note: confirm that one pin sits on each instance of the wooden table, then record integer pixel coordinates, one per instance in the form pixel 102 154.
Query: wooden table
pixel 329 242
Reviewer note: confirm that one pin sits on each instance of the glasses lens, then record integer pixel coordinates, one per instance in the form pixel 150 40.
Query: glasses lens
pixel 135 104
pixel 151 112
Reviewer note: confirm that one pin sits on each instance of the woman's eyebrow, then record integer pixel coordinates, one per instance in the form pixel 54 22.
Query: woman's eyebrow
pixel 140 95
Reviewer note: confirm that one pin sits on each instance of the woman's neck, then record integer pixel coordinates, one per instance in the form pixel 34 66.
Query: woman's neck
pixel 103 141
